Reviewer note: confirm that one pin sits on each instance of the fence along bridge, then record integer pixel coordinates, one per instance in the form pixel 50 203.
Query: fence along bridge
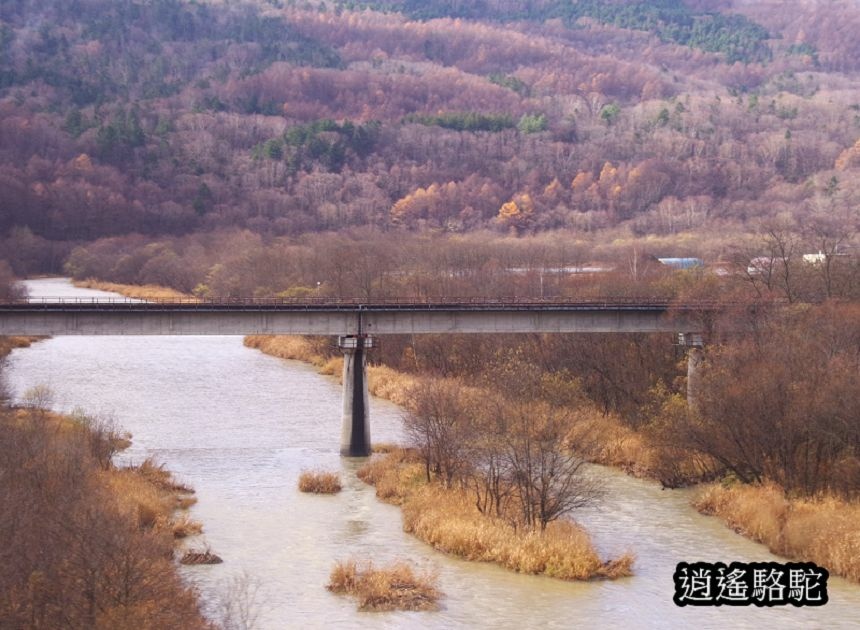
pixel 356 323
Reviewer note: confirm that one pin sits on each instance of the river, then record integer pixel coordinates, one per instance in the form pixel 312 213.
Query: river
pixel 240 426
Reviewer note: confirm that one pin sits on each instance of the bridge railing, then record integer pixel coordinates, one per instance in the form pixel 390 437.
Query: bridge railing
pixel 361 303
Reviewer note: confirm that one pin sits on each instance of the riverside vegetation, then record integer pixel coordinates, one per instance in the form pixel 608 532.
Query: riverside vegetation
pixel 791 486
pixel 451 520
pixel 631 389
pixel 394 587
pixel 87 545
pixel 319 482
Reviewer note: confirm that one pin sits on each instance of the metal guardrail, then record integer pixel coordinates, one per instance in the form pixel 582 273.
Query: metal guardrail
pixel 356 304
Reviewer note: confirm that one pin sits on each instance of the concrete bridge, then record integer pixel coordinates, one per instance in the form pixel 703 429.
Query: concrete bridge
pixel 356 323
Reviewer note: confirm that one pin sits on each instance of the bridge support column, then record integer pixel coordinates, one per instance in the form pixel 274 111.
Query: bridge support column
pixel 355 434
pixel 695 356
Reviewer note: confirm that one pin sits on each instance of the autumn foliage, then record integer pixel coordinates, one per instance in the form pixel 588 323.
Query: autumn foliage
pixel 85 546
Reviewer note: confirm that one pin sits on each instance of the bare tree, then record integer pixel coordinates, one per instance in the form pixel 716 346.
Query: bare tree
pixel 438 425
pixel 549 477
pixel 239 606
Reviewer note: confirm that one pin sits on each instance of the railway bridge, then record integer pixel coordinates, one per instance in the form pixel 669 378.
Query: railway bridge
pixel 357 323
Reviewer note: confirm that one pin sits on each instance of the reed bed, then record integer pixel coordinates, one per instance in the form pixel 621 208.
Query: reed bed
pixel 390 384
pixel 7 344
pixel 448 520
pixel 394 587
pixel 184 526
pixel 824 530
pixel 292 347
pixel 319 482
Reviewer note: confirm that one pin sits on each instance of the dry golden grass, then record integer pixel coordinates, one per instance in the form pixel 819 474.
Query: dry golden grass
pixel 332 366
pixel 825 530
pixel 160 478
pixel 138 496
pixel 297 348
pixel 383 382
pixel 388 383
pixel 616 444
pixel 184 502
pixel 395 476
pixel 7 344
pixel 138 292
pixel 184 526
pixel 448 520
pixel 319 482
pixel 394 587
pixel 152 495
pixel 757 512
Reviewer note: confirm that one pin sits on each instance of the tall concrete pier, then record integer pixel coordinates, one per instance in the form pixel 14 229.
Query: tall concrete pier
pixel 355 432
pixel 695 357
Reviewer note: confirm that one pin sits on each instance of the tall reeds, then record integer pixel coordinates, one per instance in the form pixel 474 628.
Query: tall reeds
pixel 319 482
pixel 824 530
pixel 393 587
pixel 448 520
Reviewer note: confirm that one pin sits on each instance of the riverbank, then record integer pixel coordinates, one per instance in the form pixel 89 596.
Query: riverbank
pixel 824 531
pixel 7 344
pixel 617 446
pixel 382 381
pixel 88 544
pixel 137 292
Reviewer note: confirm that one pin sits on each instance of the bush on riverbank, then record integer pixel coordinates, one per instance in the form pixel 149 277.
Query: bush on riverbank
pixel 84 546
pixel 319 482
pixel 448 519
pixel 393 587
pixel 823 530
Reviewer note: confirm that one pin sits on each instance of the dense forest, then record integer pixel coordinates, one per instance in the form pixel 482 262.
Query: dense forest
pixel 166 118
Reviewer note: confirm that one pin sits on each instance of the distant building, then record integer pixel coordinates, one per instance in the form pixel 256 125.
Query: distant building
pixel 682 263
pixel 761 265
pixel 815 259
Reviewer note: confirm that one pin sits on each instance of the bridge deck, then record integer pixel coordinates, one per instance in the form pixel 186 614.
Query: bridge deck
pixel 325 316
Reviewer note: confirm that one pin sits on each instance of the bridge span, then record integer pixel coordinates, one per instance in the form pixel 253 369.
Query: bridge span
pixel 356 323
pixel 46 316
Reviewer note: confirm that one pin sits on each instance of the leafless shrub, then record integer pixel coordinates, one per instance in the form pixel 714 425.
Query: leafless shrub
pixel 239 605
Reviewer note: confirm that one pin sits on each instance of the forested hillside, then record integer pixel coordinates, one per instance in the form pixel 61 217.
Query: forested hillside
pixel 166 117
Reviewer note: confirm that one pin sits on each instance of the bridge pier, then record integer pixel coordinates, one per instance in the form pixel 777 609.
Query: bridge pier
pixel 695 357
pixel 355 432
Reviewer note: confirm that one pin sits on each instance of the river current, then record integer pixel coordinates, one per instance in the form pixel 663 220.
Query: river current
pixel 240 426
